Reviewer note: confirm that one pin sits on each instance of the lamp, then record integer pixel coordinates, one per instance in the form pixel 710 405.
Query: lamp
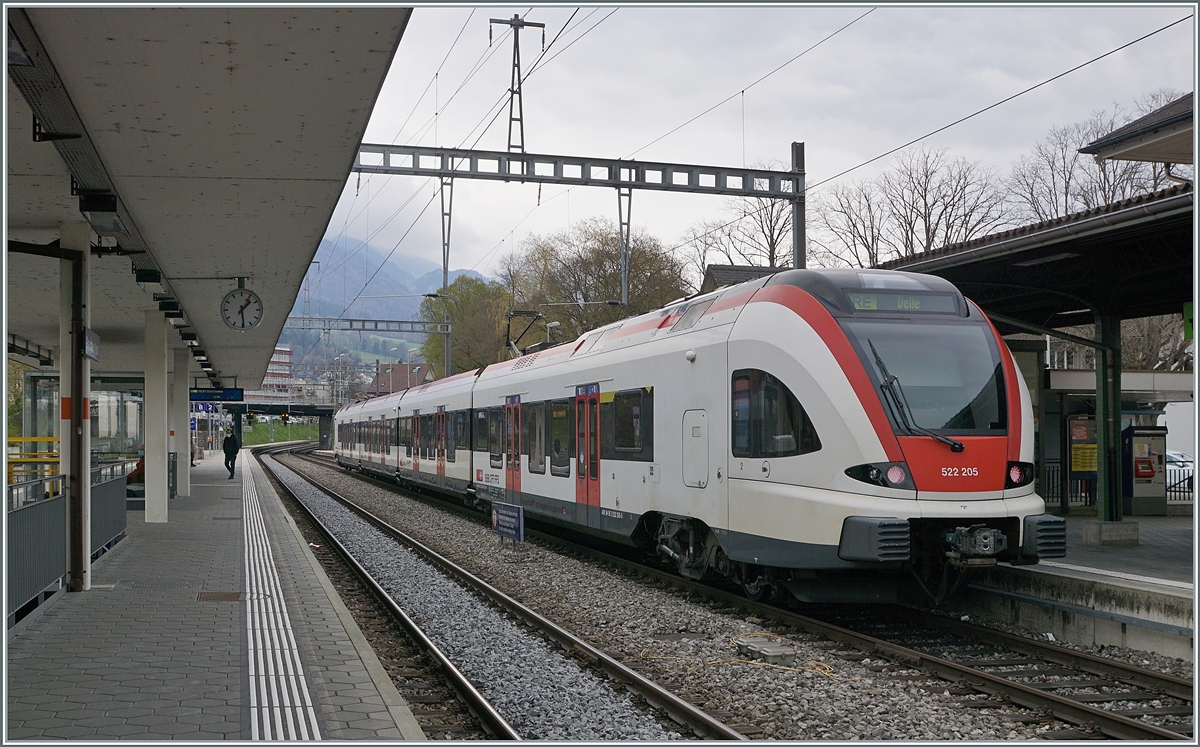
pixel 150 280
pixel 100 210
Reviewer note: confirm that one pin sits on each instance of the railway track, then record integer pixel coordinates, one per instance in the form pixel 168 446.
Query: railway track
pixel 442 700
pixel 681 712
pixel 1098 697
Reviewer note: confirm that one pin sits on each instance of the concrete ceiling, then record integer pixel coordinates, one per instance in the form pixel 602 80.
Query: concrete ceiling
pixel 227 134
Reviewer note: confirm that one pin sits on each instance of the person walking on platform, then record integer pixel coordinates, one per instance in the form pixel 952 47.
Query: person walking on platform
pixel 231 446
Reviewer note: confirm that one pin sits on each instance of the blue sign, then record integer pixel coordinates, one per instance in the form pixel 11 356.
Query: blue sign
pixel 230 394
pixel 587 389
pixel 193 424
pixel 204 406
pixel 508 521
pixel 513 400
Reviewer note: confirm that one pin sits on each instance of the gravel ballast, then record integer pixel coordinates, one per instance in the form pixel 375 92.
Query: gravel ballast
pixel 687 644
pixel 542 694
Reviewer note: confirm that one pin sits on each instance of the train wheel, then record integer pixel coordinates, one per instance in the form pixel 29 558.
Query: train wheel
pixel 756 583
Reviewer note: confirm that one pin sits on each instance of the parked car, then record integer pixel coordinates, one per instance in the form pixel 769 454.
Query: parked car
pixel 1179 470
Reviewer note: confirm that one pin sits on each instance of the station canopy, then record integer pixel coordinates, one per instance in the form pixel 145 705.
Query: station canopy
pixel 227 136
pixel 1131 259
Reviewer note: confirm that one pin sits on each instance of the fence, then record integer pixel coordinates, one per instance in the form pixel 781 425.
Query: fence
pixel 1083 492
pixel 37 530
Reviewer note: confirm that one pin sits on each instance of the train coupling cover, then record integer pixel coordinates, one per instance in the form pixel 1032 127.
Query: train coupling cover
pixel 975 545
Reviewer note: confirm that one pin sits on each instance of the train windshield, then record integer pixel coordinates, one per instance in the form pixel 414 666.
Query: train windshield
pixel 946 377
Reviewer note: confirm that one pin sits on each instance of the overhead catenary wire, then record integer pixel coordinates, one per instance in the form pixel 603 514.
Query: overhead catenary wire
pixel 742 92
pixel 809 189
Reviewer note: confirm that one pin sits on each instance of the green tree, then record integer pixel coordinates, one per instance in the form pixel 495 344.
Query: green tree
pixel 16 392
pixel 573 277
pixel 476 308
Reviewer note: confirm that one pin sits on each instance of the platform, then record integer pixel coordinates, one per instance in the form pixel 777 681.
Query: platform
pixel 1139 597
pixel 219 624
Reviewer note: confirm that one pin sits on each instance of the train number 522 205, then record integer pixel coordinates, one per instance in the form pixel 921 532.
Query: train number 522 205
pixel 960 472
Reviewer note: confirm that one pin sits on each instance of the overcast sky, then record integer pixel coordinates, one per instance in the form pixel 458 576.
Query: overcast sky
pixel 616 87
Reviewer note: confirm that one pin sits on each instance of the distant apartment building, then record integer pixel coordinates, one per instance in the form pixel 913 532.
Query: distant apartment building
pixel 278 382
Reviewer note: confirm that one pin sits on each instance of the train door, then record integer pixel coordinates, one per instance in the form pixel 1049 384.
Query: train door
pixel 416 440
pixel 587 445
pixel 512 448
pixel 440 441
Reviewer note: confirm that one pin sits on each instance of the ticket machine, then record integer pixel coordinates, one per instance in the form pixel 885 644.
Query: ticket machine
pixel 1144 470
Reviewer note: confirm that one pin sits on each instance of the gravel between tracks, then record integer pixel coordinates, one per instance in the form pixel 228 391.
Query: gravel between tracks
pixel 542 695
pixel 685 643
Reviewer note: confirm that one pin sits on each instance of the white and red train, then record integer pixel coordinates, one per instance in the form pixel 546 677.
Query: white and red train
pixel 803 431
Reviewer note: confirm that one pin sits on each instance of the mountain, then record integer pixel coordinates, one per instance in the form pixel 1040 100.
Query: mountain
pixel 340 276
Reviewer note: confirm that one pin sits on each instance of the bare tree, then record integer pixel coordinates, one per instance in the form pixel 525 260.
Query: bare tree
pixel 1055 180
pixel 851 220
pixel 926 200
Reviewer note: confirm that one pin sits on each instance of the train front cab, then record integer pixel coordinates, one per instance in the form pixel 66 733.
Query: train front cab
pixel 885 414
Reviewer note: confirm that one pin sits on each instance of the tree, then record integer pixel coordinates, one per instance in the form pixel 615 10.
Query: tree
pixel 573 276
pixel 925 200
pixel 750 231
pixel 1056 180
pixel 16 394
pixel 476 309
pixel 853 218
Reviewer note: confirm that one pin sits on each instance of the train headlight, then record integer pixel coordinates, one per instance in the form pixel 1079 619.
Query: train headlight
pixel 885 474
pixel 1019 474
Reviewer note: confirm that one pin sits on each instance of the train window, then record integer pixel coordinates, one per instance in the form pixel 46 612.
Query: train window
pixel 481 430
pixel 535 437
pixel 767 419
pixel 406 435
pixel 692 315
pixel 462 430
pixel 393 434
pixel 496 436
pixel 628 420
pixel 448 418
pixel 560 438
pixel 428 433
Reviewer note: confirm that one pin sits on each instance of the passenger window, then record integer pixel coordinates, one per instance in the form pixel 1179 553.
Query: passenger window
pixel 628 411
pixel 535 437
pixel 481 430
pixel 560 438
pixel 496 437
pixel 767 419
pixel 450 439
pixel 462 429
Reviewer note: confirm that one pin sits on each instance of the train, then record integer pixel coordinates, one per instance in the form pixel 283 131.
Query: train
pixel 816 433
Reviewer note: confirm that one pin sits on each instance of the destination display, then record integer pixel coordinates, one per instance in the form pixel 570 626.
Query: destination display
pixel 229 394
pixel 903 303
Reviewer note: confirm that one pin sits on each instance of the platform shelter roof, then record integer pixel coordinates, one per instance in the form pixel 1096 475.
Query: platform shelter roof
pixel 227 136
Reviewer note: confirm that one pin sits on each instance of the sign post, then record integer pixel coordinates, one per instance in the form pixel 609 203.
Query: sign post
pixel 508 521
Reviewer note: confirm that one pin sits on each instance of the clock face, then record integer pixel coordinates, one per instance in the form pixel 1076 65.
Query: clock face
pixel 241 309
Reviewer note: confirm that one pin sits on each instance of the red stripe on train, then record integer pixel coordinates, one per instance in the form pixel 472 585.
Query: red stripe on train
pixel 1012 392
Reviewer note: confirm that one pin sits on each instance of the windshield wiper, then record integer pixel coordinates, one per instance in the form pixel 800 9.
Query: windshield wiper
pixel 891 385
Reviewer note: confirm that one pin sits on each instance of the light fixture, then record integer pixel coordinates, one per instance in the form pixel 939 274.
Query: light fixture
pixel 150 280
pixel 188 337
pixel 168 305
pixel 16 51
pixel 100 210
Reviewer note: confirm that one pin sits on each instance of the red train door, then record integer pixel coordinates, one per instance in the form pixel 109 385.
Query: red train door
pixel 587 444
pixel 512 447
pixel 440 441
pixel 416 440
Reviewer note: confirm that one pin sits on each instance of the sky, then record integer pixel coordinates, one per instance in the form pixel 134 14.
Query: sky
pixel 616 80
